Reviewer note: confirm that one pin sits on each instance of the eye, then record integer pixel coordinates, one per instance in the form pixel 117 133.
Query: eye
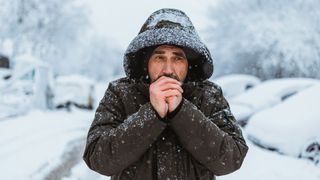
pixel 159 58
pixel 179 58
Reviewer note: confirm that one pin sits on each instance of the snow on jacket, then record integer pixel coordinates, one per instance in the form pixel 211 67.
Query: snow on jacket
pixel 128 140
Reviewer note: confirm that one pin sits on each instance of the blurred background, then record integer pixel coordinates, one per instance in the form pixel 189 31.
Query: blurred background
pixel 57 58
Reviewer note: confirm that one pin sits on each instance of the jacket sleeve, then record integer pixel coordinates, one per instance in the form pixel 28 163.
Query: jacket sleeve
pixel 115 142
pixel 216 140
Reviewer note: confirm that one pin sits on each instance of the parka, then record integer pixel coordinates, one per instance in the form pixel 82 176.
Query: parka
pixel 198 141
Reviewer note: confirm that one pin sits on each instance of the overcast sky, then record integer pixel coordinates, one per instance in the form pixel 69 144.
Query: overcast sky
pixel 120 20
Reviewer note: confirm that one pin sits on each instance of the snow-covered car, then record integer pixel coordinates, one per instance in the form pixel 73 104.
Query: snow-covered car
pixel 235 84
pixel 5 74
pixel 292 127
pixel 5 71
pixel 4 61
pixel 265 95
pixel 75 90
pixel 30 86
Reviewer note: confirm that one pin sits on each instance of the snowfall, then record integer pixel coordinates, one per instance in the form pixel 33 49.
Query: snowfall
pixel 49 145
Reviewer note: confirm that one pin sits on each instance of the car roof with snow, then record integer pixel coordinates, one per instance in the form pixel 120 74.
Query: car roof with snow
pixel 235 84
pixel 272 92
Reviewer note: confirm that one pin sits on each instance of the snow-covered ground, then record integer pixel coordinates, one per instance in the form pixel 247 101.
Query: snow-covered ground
pixel 49 145
pixel 261 164
pixel 43 144
pixel 35 144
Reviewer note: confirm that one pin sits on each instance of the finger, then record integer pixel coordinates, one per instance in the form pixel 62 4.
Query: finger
pixel 174 97
pixel 171 98
pixel 164 80
pixel 171 86
pixel 171 92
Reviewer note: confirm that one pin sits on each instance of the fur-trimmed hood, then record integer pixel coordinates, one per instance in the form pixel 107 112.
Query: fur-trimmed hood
pixel 172 27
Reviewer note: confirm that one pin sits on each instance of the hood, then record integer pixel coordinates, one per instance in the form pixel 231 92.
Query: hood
pixel 172 27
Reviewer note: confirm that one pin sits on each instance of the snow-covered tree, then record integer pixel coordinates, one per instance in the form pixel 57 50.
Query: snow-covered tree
pixel 98 58
pixel 47 29
pixel 269 39
pixel 59 33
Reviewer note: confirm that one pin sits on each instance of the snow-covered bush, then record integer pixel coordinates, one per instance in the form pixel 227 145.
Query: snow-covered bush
pixel 269 39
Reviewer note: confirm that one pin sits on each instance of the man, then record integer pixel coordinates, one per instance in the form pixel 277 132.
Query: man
pixel 165 120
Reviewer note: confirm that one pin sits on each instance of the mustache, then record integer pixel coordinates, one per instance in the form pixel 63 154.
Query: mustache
pixel 173 76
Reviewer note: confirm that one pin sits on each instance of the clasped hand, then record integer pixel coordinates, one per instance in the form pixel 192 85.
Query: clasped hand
pixel 165 95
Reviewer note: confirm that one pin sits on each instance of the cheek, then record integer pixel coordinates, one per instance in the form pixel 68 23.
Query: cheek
pixel 182 69
pixel 153 70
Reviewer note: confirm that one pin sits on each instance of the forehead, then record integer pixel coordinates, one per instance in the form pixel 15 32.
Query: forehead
pixel 168 47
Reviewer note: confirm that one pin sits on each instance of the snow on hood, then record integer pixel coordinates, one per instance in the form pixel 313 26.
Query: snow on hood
pixel 172 27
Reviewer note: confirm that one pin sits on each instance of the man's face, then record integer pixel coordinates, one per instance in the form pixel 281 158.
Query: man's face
pixel 168 61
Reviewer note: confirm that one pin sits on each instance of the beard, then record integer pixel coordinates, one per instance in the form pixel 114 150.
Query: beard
pixel 173 76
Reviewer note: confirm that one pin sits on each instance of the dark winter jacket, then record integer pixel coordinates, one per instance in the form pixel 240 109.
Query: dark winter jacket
pixel 128 140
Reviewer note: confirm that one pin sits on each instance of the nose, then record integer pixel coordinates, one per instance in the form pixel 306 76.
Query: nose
pixel 168 68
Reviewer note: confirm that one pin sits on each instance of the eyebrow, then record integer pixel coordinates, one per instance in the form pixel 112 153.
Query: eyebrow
pixel 179 54
pixel 175 53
